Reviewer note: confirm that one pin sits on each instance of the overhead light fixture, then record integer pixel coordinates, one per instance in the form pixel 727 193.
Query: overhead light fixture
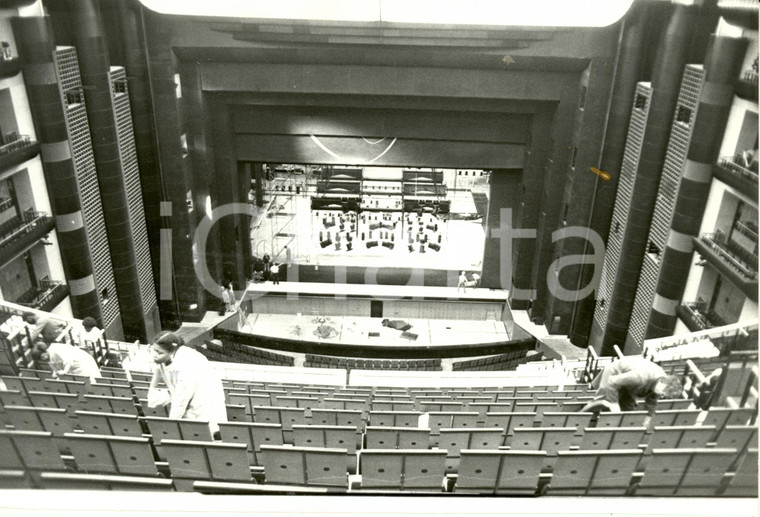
pixel 527 13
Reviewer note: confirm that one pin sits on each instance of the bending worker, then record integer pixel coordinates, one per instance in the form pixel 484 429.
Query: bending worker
pixel 629 378
pixel 194 387
pixel 66 359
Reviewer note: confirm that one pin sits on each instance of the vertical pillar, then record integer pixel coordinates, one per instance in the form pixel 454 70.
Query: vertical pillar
pixel 132 46
pixel 92 51
pixel 626 75
pixel 34 37
pixel 666 79
pixel 723 64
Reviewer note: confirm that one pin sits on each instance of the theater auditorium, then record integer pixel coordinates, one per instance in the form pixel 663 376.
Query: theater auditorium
pixel 405 244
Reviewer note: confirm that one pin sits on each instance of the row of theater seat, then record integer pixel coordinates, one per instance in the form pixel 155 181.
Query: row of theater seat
pixel 296 464
pixel 32 459
pixel 238 353
pixel 326 361
pixel 508 361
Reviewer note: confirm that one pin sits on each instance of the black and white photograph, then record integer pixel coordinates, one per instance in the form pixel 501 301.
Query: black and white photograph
pixel 379 257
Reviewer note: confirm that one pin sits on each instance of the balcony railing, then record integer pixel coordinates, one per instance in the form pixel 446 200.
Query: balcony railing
pixel 746 86
pixel 45 297
pixel 19 149
pixel 740 177
pixel 697 316
pixel 18 234
pixel 745 265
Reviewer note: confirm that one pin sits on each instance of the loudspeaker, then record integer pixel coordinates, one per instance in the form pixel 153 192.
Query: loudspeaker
pixel 422 248
pixel 388 245
pixel 337 246
pixel 410 248
pixel 371 244
pixel 434 246
pixel 326 243
pixel 439 239
pixel 348 246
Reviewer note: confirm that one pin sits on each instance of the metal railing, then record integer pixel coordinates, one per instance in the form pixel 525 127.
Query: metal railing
pixel 17 143
pixel 729 165
pixel 17 228
pixel 701 316
pixel 716 241
pixel 38 297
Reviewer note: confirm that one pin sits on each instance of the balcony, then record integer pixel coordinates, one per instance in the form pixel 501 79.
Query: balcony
pixel 739 265
pixel 19 234
pixel 45 297
pixel 19 149
pixel 743 179
pixel 9 67
pixel 697 316
pixel 746 86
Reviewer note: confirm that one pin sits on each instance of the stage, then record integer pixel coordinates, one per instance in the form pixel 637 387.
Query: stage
pixel 319 237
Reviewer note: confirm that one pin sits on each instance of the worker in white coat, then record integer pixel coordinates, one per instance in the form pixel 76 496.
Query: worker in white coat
pixel 195 389
pixel 67 359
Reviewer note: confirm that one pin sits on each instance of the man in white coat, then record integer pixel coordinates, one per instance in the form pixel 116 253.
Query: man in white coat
pixel 195 389
pixel 64 358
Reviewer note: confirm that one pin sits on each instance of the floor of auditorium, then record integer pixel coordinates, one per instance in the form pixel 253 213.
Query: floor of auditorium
pixel 288 220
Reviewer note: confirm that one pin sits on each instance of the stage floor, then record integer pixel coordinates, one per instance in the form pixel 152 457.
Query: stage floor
pixel 356 330
pixel 287 220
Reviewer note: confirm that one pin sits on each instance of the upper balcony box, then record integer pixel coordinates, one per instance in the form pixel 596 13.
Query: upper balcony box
pixel 739 172
pixel 18 234
pixel 16 150
pixel 746 85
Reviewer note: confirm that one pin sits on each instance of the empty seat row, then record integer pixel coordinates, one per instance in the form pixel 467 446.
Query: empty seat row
pixel 324 361
pixel 28 456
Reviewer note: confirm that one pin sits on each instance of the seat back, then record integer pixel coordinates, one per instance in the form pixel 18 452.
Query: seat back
pixel 190 459
pixel 14 397
pixel 67 401
pixel 106 404
pixel 549 439
pixel 236 413
pixel 109 423
pixel 670 417
pixel 253 435
pixel 612 438
pixel 454 440
pixel 35 449
pixel 397 438
pixel 565 419
pixel 720 417
pixel 162 428
pixel 287 416
pixel 325 436
pixel 744 482
pixel 112 454
pixel 599 472
pixel 403 469
pixel 341 417
pixel 674 403
pixel 621 419
pixel 499 472
pixel 674 437
pixel 54 420
pixel 305 466
pixel 510 421
pixel 109 390
pixel 666 469
pixel 159 411
pixel 448 420
pixel 737 437
pixel 394 418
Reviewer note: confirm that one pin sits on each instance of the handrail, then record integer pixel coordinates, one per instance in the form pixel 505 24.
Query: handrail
pixel 31 219
pixel 21 142
pixel 618 352
pixel 720 248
